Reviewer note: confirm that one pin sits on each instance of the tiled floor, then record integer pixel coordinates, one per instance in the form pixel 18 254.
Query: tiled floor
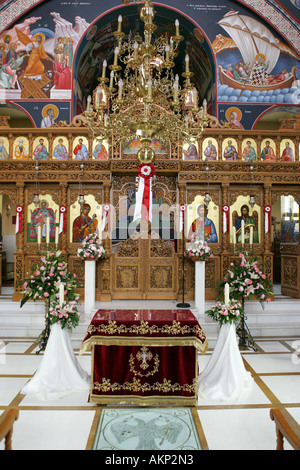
pixel 69 423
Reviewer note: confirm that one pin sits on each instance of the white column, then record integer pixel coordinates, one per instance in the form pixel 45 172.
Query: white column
pixel 89 286
pixel 200 286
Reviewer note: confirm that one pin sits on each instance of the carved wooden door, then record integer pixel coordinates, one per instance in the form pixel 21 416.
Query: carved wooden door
pixel 290 269
pixel 144 269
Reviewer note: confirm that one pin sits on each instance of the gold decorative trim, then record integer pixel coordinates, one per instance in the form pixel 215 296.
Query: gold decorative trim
pixel 137 386
pixel 142 401
pixel 142 341
pixel 176 328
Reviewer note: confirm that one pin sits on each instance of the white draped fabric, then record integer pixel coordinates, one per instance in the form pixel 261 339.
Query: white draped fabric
pixel 59 373
pixel 225 377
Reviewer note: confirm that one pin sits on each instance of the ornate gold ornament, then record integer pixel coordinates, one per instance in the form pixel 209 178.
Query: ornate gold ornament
pixel 142 98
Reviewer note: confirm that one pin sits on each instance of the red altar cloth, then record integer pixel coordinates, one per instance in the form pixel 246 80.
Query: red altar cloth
pixel 144 356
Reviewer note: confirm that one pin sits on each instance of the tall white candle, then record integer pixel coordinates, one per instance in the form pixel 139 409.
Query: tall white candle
pixel 56 235
pixel 61 294
pixel 251 235
pixel 39 234
pixel 243 231
pixel 226 294
pixel 48 230
pixel 233 235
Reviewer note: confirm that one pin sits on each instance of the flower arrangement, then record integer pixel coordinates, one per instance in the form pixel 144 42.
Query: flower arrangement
pixel 66 315
pixel 246 279
pixel 222 313
pixel 198 251
pixel 91 248
pixel 45 280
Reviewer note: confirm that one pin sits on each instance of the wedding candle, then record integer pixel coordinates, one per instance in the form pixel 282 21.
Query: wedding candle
pixel 135 50
pixel 187 63
pixel 233 235
pixel 112 74
pixel 204 108
pixel 39 235
pixel 56 235
pixel 149 83
pixel 89 99
pixel 243 231
pixel 251 235
pixel 120 91
pixel 104 68
pixel 175 86
pixel 48 230
pixel 167 49
pixel 226 294
pixel 119 22
pixel 116 56
pixel 61 294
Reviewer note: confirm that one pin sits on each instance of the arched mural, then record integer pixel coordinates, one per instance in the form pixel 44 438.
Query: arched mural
pixel 50 56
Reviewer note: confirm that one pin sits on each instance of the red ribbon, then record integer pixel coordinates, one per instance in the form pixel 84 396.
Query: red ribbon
pixel 19 221
pixel 146 171
pixel 267 210
pixel 63 222
pixel 225 209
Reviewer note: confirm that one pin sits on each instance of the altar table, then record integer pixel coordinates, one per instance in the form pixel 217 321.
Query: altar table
pixel 144 356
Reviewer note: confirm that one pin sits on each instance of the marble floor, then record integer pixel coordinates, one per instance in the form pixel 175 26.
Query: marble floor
pixel 70 423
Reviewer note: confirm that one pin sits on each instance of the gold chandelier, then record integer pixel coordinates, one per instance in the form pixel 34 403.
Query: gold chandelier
pixel 142 98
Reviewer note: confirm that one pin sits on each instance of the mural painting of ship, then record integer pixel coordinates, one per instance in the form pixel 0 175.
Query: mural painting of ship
pixel 259 49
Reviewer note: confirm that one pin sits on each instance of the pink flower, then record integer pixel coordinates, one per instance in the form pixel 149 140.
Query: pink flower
pixel 263 276
pixel 268 300
pixel 248 281
pixel 37 273
pixel 242 264
pixel 51 274
pixel 61 273
pixel 46 294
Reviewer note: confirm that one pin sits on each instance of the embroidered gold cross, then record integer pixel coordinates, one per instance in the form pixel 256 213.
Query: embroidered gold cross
pixel 144 355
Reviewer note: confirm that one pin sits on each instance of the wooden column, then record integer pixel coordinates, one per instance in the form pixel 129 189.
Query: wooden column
pixel 267 254
pixel 19 255
pixel 63 242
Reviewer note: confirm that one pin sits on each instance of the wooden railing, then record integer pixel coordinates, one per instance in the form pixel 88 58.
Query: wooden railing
pixel 286 428
pixel 6 426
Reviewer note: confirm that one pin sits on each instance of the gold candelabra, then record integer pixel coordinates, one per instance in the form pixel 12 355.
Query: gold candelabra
pixel 142 98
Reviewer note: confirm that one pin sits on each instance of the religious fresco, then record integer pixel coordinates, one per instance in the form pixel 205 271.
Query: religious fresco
pixel 190 151
pixel 4 148
pixel 249 150
pixel 40 148
pixel 21 148
pixel 39 59
pixel 268 150
pixel 229 149
pixel 241 210
pixel 253 65
pixel 135 145
pixel 37 220
pixel 85 219
pixel 287 151
pixel 100 149
pixel 60 148
pixel 210 149
pixel 202 219
pixel 80 148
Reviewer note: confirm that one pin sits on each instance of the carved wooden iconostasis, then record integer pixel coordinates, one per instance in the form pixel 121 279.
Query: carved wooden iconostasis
pixel 145 261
